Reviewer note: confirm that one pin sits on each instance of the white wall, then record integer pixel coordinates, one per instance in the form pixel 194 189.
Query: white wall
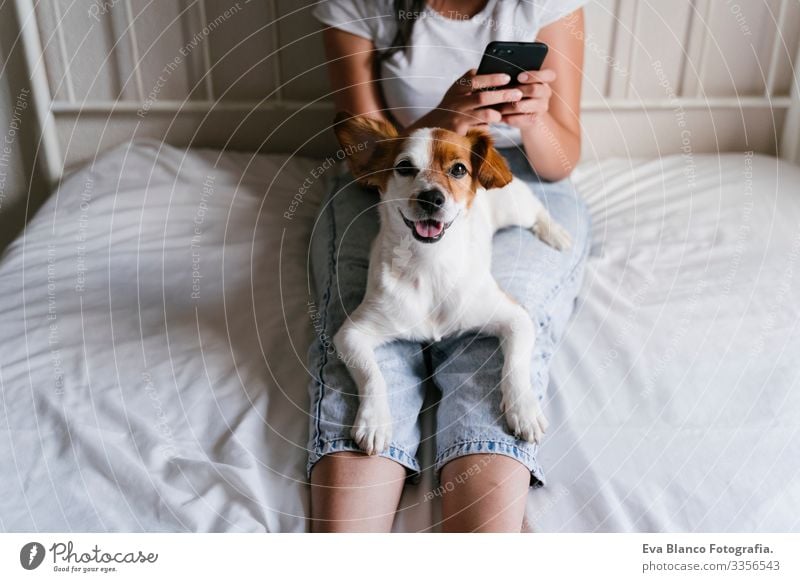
pixel 257 80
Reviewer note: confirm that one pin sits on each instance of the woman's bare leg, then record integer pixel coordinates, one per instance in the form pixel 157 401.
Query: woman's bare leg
pixel 353 492
pixel 488 494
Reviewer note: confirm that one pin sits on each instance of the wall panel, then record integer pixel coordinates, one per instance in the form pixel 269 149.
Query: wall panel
pixel 165 65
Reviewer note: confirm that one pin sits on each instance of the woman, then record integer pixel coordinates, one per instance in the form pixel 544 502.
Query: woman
pixel 405 61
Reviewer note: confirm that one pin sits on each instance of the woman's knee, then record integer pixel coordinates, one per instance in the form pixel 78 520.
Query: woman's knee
pixel 484 492
pixel 353 492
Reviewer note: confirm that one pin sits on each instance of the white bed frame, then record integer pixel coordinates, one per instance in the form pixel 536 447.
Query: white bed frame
pixel 625 93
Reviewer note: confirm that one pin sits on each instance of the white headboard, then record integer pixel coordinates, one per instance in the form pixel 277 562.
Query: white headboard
pixel 661 77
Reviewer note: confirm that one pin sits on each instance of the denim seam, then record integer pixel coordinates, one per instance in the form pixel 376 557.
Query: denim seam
pixel 546 326
pixel 325 305
pixel 571 274
pixel 458 444
pixel 518 452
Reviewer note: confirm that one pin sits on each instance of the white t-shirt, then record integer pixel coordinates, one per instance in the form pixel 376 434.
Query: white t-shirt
pixel 444 46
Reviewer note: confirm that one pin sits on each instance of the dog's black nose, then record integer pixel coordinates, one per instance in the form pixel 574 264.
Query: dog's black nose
pixel 430 200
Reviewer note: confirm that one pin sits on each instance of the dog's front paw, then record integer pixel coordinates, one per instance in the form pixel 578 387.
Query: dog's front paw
pixel 553 234
pixel 524 416
pixel 372 430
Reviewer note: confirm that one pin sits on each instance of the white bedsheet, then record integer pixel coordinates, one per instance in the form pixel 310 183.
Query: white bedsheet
pixel 130 404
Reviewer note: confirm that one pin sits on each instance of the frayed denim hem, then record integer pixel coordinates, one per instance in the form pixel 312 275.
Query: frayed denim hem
pixel 508 448
pixel 326 447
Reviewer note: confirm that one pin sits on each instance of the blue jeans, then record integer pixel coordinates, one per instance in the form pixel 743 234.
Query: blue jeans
pixel 467 368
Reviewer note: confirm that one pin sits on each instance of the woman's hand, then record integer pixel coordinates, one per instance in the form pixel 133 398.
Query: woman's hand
pixel 466 105
pixel 535 85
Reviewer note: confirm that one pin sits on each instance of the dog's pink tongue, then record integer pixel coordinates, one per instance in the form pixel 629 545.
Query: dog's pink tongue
pixel 428 228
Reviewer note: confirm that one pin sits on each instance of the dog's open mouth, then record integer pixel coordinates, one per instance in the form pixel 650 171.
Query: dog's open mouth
pixel 426 230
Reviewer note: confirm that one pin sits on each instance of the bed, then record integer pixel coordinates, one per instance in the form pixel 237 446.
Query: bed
pixel 154 322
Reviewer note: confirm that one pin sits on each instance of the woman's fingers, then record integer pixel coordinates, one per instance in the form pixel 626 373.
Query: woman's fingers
pixel 463 84
pixel 483 116
pixel 525 106
pixel 490 98
pixel 543 76
pixel 466 120
pixel 471 81
pixel 481 82
pixel 535 86
pixel 474 106
pixel 536 91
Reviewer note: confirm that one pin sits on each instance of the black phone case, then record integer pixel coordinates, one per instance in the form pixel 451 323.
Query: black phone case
pixel 512 58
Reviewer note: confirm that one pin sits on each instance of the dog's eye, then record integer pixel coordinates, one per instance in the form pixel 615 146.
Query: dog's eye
pixel 458 170
pixel 405 168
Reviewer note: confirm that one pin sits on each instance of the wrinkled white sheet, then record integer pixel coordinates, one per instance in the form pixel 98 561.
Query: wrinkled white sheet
pixel 154 323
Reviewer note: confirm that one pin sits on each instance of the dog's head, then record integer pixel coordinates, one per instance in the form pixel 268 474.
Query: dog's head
pixel 428 177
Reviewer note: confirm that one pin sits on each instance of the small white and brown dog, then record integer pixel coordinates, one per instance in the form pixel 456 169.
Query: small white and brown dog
pixel 442 197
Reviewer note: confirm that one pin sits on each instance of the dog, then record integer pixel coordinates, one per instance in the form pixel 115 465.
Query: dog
pixel 442 197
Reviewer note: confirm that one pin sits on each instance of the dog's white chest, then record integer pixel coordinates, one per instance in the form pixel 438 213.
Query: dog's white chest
pixel 441 319
pixel 425 306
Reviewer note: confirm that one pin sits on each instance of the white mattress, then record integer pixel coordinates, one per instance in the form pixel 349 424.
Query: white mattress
pixel 129 405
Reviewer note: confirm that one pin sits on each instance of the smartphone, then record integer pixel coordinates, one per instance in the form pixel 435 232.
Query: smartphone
pixel 512 58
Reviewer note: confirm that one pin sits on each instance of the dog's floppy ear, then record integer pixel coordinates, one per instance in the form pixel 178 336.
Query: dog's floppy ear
pixel 488 165
pixel 368 145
